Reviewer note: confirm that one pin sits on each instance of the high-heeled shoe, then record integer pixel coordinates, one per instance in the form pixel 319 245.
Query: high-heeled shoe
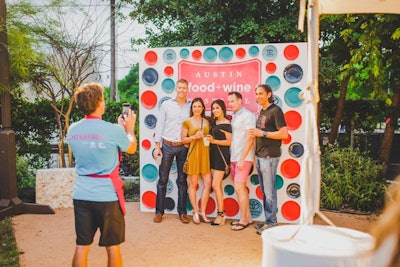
pixel 222 222
pixel 203 217
pixel 196 218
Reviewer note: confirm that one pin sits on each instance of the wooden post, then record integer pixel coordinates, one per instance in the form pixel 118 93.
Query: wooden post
pixel 10 204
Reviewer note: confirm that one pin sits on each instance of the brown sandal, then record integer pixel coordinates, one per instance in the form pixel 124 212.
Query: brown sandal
pixel 237 222
pixel 239 227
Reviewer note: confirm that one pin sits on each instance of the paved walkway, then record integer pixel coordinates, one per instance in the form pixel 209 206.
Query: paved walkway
pixel 48 241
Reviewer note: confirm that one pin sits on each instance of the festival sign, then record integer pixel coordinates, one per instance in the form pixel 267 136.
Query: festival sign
pixel 213 72
pixel 215 81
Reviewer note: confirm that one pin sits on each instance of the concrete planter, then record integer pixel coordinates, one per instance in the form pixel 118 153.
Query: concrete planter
pixel 54 187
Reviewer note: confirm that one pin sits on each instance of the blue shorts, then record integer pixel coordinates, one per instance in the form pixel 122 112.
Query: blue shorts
pixel 106 216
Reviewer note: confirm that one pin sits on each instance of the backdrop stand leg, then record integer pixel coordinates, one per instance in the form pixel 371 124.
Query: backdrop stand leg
pixel 17 207
pixel 10 204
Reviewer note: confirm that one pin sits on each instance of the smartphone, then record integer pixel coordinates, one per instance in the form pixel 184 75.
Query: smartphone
pixel 125 109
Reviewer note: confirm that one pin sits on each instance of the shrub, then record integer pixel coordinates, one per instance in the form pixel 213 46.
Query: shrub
pixel 350 181
pixel 25 173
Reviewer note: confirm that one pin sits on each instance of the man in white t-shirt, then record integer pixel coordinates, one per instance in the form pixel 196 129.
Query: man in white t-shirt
pixel 242 156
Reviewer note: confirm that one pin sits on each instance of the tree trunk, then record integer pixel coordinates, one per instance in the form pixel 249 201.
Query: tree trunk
pixel 61 152
pixel 391 124
pixel 339 112
pixel 67 122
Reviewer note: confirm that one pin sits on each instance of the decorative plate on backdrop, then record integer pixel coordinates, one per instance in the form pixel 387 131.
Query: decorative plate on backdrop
pixel 184 53
pixel 210 54
pixel 240 53
pixel 151 58
pixel 169 71
pixel 225 54
pixel 150 121
pixel 150 76
pixel 256 207
pixel 291 52
pixel 196 54
pixel 292 97
pixel 146 144
pixel 270 67
pixel 168 85
pixel 150 172
pixel 293 120
pixel 253 51
pixel 269 52
pixel 279 181
pixel 169 56
pixel 293 73
pixel 164 98
pixel 290 168
pixel 148 99
pixel 291 210
pixel 277 101
pixel 293 190
pixel 274 82
pixel 296 150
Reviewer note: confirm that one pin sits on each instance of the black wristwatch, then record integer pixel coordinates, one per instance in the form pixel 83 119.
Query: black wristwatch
pixel 265 134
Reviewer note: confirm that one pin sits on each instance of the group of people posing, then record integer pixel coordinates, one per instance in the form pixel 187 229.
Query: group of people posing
pixel 211 148
pixel 183 132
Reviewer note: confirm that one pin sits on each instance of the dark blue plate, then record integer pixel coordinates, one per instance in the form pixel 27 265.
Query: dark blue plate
pixel 150 121
pixel 150 76
pixel 293 73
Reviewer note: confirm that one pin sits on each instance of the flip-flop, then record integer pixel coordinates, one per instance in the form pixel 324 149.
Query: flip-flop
pixel 239 227
pixel 237 222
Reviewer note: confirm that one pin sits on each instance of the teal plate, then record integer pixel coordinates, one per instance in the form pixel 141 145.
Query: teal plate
pixel 292 97
pixel 210 54
pixel 225 54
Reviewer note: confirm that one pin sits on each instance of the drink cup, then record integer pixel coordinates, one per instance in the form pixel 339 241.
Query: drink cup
pixel 206 141
pixel 158 159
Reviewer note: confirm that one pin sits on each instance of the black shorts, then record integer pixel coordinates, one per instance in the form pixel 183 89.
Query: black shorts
pixel 106 216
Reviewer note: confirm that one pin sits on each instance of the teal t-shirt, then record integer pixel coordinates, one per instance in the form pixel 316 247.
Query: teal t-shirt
pixel 95 144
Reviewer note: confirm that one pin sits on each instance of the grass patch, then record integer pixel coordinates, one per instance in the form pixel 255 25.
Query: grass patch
pixel 8 247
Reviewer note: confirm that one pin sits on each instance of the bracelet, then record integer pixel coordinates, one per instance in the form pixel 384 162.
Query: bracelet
pixel 130 137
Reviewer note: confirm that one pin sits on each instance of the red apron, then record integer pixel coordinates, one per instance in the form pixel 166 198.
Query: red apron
pixel 117 182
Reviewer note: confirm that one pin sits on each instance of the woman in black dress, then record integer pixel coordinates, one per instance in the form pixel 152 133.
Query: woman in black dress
pixel 220 140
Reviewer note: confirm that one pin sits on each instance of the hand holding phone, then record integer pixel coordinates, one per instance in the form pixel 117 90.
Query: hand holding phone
pixel 125 109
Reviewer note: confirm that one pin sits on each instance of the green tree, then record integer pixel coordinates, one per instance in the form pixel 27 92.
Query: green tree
pixel 34 127
pixel 68 53
pixel 177 23
pixel 374 41
pixel 128 87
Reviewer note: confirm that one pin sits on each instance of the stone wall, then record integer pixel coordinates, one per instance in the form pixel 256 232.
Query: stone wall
pixel 54 187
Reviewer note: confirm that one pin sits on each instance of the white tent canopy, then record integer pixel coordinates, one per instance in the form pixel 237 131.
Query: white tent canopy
pixel 363 6
pixel 311 176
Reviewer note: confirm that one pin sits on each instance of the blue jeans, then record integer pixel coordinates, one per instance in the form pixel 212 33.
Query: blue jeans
pixel 169 153
pixel 266 169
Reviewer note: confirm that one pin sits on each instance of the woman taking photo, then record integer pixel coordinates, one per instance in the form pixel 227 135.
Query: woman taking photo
pixel 220 139
pixel 194 130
